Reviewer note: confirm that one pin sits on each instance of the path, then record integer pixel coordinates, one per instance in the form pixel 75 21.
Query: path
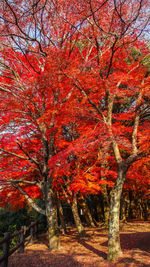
pixel 135 242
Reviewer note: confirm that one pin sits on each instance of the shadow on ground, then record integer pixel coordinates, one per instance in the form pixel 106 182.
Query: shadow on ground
pixel 94 250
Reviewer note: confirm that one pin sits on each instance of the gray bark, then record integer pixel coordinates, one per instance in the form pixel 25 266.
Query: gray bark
pixel 114 248
pixel 51 214
pixel 31 202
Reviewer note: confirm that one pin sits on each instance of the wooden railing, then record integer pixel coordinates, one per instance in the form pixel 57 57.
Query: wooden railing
pixel 26 235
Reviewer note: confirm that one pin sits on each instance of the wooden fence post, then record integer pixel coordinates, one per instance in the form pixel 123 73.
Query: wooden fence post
pixel 6 249
pixel 33 231
pixel 33 227
pixel 22 239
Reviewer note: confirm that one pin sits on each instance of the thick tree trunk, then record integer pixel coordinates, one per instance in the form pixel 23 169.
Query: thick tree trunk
pixel 52 222
pixel 76 217
pixel 114 248
pixel 86 211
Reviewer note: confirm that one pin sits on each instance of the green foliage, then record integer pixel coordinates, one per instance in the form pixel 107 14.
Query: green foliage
pixel 11 221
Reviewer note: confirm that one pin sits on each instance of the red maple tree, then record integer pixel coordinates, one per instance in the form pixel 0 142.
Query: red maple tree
pixel 91 71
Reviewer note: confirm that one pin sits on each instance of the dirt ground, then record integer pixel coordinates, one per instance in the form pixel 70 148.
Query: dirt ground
pixel 135 243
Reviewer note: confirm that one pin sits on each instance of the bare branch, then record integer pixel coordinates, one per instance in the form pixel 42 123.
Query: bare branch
pixel 14 154
pixel 29 157
pixel 17 182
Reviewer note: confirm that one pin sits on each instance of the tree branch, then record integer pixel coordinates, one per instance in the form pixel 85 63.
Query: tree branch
pixel 14 154
pixel 17 181
pixel 30 201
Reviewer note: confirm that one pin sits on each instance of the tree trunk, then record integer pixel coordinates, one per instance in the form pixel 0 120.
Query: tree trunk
pixel 145 209
pixel 114 248
pixel 124 213
pixel 52 222
pixel 98 203
pixel 106 213
pixel 105 194
pixel 131 205
pixel 76 217
pixel 86 211
pixel 61 215
pixel 105 205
